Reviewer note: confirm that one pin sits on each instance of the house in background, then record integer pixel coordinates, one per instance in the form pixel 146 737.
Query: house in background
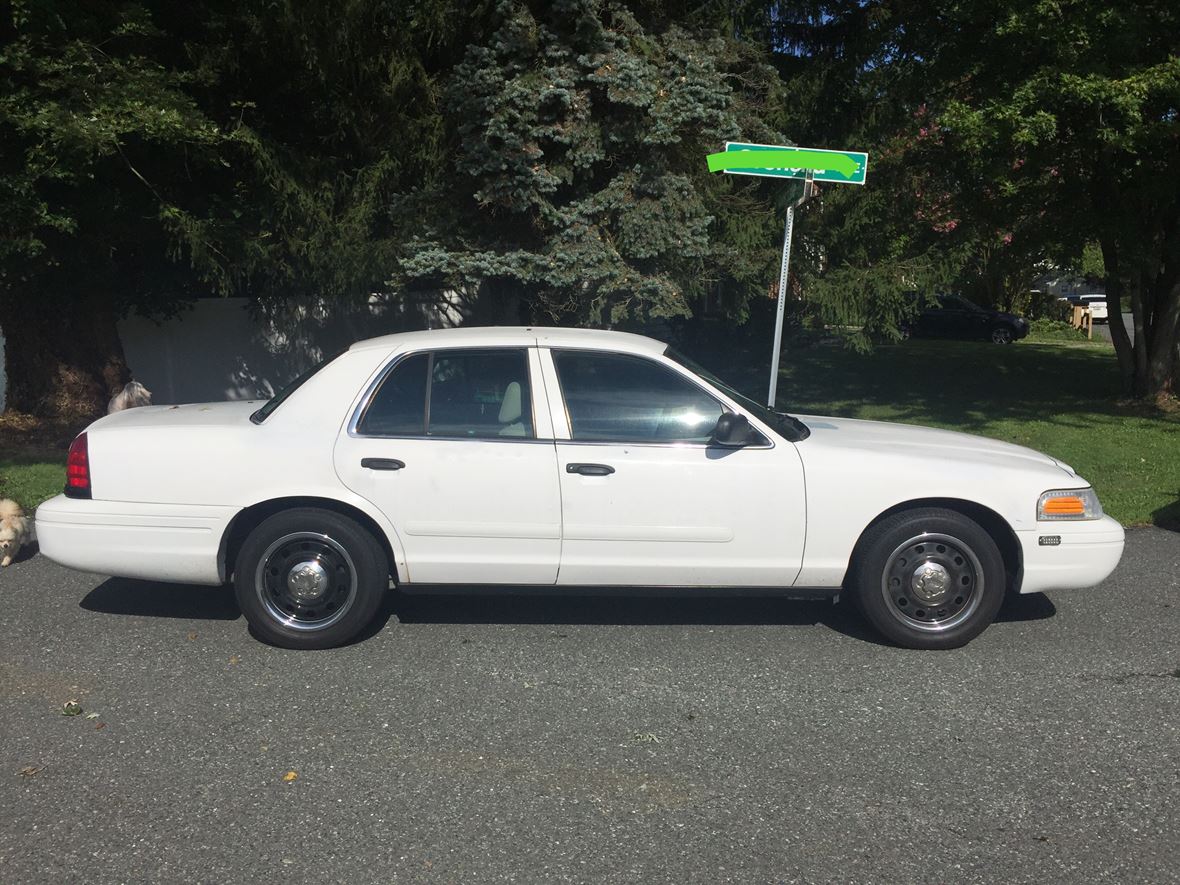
pixel 226 349
pixel 1062 285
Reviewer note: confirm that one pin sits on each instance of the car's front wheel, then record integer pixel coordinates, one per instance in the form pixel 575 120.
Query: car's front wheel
pixel 1001 335
pixel 928 578
pixel 310 578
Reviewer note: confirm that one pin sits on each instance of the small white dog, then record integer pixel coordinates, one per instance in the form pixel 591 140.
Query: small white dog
pixel 133 394
pixel 15 530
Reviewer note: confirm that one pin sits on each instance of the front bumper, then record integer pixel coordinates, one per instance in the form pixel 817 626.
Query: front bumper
pixel 155 542
pixel 1086 554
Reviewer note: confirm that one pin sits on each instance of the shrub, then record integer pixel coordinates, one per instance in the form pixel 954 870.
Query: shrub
pixel 1053 330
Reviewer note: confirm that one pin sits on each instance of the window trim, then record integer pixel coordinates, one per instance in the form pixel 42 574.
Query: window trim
pixel 370 392
pixel 673 368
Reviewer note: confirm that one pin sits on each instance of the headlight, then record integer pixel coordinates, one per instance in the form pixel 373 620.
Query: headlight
pixel 1069 504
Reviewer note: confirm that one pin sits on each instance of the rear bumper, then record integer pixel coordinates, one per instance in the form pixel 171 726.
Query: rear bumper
pixel 1086 555
pixel 155 542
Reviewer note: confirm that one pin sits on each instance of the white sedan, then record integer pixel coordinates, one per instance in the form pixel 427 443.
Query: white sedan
pixel 1097 305
pixel 568 459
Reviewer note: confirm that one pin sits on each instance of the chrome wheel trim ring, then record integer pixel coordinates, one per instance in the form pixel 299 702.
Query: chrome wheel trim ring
pixel 932 582
pixel 277 579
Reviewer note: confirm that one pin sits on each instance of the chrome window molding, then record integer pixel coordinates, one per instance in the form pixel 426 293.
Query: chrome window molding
pixel 670 444
pixel 547 440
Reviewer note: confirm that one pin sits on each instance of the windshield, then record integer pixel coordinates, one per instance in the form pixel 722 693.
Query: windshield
pixel 279 398
pixel 791 428
pixel 957 302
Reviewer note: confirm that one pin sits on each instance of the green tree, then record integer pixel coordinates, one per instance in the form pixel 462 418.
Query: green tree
pixel 87 117
pixel 154 152
pixel 578 189
pixel 1004 134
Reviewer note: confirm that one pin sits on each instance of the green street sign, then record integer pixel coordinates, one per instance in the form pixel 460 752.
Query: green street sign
pixel 779 161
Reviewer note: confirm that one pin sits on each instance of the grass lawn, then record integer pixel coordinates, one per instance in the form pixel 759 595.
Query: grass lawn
pixel 30 479
pixel 1058 398
pixel 32 460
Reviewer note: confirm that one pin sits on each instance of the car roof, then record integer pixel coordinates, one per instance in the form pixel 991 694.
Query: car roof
pixel 519 336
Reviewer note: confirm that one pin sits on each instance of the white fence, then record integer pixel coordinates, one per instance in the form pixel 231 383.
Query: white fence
pixel 220 350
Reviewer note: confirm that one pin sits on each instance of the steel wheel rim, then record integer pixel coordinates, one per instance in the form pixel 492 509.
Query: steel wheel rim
pixel 932 582
pixel 1001 336
pixel 306 581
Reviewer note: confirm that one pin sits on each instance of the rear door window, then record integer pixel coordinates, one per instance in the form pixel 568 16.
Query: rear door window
pixel 457 394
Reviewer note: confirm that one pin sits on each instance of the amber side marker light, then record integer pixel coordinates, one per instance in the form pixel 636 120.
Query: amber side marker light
pixel 1069 504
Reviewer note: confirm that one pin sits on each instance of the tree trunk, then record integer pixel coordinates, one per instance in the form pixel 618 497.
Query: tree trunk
pixel 1164 364
pixel 1114 312
pixel 62 355
pixel 1141 320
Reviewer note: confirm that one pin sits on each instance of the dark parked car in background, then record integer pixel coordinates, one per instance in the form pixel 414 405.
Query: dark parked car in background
pixel 952 316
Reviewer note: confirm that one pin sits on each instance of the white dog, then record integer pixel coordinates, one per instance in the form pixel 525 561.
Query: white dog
pixel 14 531
pixel 133 394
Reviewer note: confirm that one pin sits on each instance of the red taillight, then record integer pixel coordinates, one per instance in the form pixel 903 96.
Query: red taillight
pixel 78 469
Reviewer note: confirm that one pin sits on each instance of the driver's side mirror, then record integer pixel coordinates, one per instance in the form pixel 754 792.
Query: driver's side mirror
pixel 732 431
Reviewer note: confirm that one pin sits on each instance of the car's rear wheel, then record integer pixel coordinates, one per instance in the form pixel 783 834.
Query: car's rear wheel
pixel 928 578
pixel 1001 335
pixel 310 578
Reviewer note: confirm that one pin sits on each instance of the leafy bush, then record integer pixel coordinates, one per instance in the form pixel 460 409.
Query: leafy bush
pixel 1053 330
pixel 1042 305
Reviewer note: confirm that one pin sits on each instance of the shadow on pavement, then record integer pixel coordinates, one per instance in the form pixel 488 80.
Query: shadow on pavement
pixel 27 552
pixel 1168 516
pixel 1021 607
pixel 124 596
pixel 149 599
pixel 616 610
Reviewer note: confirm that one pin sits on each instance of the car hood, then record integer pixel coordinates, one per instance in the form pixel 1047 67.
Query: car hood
pixel 188 415
pixel 880 437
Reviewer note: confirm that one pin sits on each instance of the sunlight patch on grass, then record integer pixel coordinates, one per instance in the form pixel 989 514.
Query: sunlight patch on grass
pixel 31 479
pixel 1061 400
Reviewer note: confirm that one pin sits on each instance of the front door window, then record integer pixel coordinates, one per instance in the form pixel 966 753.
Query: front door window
pixel 618 398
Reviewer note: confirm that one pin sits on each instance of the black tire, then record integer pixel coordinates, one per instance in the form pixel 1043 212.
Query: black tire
pixel 928 578
pixel 310 578
pixel 1002 335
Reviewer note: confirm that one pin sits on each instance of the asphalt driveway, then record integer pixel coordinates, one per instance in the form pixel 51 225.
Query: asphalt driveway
pixel 541 740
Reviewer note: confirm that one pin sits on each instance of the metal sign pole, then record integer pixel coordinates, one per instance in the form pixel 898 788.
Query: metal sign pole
pixel 784 269
pixel 781 307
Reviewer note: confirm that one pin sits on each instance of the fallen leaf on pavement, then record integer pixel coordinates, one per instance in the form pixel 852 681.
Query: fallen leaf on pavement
pixel 91 715
pixel 99 726
pixel 192 635
pixel 234 659
pixel 290 776
pixel 71 708
pixel 29 771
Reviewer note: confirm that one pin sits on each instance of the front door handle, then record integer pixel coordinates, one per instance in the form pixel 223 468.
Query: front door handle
pixel 382 463
pixel 590 469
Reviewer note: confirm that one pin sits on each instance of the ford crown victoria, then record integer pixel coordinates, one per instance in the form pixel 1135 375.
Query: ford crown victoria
pixel 564 459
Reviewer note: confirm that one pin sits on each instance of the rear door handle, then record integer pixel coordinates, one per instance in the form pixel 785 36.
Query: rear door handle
pixel 382 463
pixel 590 469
